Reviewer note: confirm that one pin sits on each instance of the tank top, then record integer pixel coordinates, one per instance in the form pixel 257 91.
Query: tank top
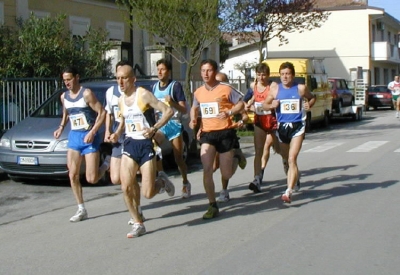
pixel 290 104
pixel 396 88
pixel 259 98
pixel 135 119
pixel 115 108
pixel 81 116
pixel 160 95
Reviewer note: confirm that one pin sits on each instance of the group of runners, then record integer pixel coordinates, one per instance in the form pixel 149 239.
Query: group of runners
pixel 138 121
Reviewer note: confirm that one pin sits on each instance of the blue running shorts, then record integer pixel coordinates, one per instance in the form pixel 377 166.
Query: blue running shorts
pixel 140 150
pixel 172 129
pixel 75 142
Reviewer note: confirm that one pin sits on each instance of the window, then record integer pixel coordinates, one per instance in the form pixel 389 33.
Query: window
pixel 79 25
pixel 385 76
pixel 115 30
pixel 376 76
pixel 205 53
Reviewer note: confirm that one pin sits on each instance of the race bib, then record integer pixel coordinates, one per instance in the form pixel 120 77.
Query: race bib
pixel 259 109
pixel 78 122
pixel 133 125
pixel 209 110
pixel 290 106
pixel 117 114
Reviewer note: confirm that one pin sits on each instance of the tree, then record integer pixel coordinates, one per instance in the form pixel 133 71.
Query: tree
pixel 42 47
pixel 259 21
pixel 185 28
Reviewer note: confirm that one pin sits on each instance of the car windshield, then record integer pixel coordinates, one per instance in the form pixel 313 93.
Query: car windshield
pixel 380 89
pixel 53 106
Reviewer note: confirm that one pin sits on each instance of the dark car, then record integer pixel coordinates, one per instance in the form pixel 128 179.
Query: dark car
pixel 29 151
pixel 379 96
pixel 342 96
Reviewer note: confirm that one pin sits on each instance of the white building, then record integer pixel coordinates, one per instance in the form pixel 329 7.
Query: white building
pixel 352 37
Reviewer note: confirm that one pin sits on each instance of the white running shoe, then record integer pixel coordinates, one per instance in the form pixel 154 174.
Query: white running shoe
pixel 169 186
pixel 186 190
pixel 80 215
pixel 397 114
pixel 138 229
pixel 223 196
pixel 132 221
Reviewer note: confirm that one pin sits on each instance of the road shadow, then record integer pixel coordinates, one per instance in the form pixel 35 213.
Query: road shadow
pixel 269 198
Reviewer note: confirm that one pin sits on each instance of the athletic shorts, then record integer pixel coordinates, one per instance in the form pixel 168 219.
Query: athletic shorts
pixel 222 140
pixel 118 147
pixel 76 142
pixel 172 129
pixel 117 150
pixel 288 130
pixel 266 122
pixel 140 150
pixel 394 97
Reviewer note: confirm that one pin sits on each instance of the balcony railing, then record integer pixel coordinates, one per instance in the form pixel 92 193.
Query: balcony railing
pixel 383 51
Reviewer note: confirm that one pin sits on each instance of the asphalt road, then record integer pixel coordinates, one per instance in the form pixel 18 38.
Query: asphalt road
pixel 345 219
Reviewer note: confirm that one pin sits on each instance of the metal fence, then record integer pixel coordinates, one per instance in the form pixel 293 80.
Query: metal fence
pixel 21 96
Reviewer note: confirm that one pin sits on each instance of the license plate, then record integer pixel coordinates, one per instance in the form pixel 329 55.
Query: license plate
pixel 27 160
pixel 379 96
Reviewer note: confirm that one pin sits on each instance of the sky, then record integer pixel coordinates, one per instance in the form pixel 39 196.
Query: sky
pixel 391 7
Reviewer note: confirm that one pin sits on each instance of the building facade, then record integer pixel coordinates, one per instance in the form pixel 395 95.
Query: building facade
pixel 135 46
pixel 355 42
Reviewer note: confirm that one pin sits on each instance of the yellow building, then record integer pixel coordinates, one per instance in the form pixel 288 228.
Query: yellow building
pixel 134 46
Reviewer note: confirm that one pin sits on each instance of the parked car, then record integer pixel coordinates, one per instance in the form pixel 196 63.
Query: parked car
pixel 342 96
pixel 379 96
pixel 29 151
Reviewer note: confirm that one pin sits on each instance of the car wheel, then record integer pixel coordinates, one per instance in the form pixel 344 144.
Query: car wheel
pixel 325 122
pixel 339 106
pixel 16 178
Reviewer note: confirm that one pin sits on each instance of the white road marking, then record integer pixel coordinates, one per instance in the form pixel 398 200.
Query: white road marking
pixel 324 147
pixel 368 146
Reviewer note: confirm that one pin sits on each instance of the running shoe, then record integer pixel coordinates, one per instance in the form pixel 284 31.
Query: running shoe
pixel 211 213
pixel 223 196
pixel 255 185
pixel 80 215
pixel 287 196
pixel 186 190
pixel 169 186
pixel 138 230
pixel 397 114
pixel 132 221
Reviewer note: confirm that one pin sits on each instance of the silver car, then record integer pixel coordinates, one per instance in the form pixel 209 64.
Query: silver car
pixel 29 151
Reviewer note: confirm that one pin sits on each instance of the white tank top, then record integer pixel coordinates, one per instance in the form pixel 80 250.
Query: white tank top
pixel 135 121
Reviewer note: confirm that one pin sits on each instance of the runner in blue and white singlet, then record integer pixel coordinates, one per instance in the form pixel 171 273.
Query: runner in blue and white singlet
pixel 290 101
pixel 82 119
pixel 86 116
